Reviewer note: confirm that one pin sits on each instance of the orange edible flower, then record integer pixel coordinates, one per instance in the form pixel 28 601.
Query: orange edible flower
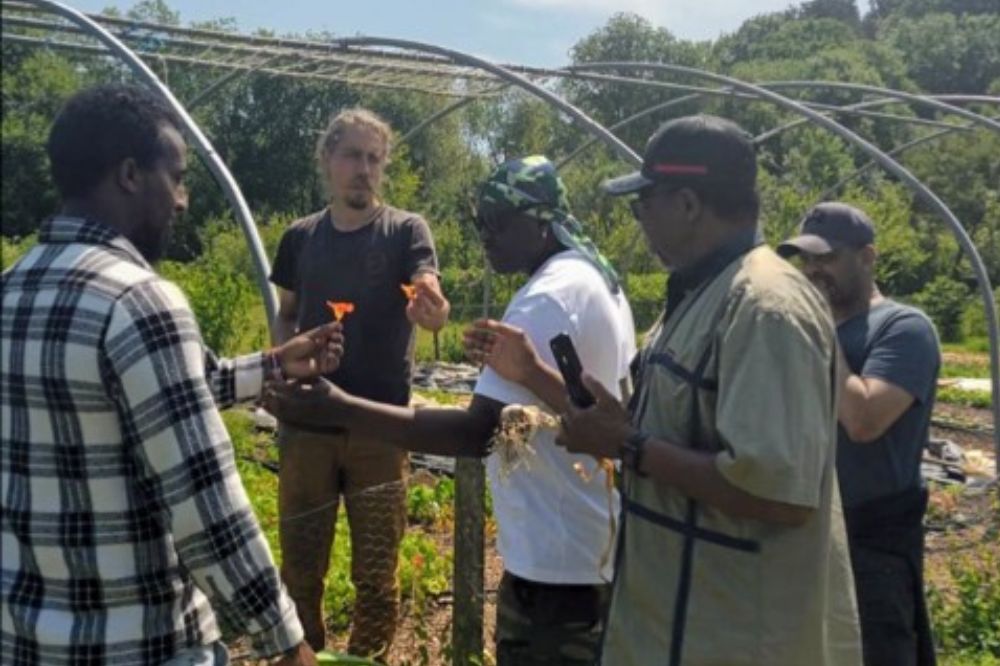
pixel 409 290
pixel 340 308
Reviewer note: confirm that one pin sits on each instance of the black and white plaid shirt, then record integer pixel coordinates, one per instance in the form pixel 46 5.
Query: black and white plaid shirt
pixel 124 522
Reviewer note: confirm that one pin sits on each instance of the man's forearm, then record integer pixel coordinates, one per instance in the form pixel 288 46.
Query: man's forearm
pixel 694 474
pixel 546 383
pixel 446 432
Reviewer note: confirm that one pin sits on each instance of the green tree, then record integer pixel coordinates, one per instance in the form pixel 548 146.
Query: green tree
pixel 948 52
pixel 627 37
pixel 34 86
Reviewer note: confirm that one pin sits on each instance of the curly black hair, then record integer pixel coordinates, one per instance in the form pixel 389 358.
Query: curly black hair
pixel 100 127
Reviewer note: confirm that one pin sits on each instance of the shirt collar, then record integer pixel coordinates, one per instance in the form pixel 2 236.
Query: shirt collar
pixel 61 229
pixel 689 278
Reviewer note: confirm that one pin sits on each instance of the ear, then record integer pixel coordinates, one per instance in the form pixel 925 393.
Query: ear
pixel 868 256
pixel 691 204
pixel 128 175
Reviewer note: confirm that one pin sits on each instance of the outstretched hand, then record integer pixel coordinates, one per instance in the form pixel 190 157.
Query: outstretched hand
pixel 428 308
pixel 320 404
pixel 506 349
pixel 599 430
pixel 313 353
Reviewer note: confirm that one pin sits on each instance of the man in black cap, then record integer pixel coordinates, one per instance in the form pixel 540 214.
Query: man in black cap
pixel 890 364
pixel 732 546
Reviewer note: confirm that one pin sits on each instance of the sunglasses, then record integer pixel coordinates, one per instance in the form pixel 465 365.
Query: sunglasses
pixel 647 194
pixel 493 221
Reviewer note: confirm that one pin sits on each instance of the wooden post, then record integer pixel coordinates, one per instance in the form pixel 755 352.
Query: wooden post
pixel 467 614
pixel 470 508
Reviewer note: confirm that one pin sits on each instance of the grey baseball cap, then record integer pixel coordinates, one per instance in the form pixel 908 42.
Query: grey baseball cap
pixel 828 226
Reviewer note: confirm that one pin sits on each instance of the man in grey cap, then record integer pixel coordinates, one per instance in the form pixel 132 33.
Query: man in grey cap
pixel 890 362
pixel 732 547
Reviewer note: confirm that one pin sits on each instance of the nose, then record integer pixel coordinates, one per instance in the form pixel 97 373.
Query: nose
pixel 364 166
pixel 181 199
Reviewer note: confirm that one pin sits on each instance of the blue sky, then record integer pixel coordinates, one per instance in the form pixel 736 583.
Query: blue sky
pixel 529 32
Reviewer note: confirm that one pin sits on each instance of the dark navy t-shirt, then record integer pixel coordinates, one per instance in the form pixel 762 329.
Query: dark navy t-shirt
pixel 319 263
pixel 897 344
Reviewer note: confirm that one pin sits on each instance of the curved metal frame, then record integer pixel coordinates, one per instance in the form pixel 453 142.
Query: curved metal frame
pixel 715 92
pixel 886 162
pixel 734 87
pixel 201 143
pixel 833 189
pixel 585 121
pixel 766 87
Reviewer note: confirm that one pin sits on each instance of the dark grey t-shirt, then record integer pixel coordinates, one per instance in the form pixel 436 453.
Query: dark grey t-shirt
pixel 366 266
pixel 897 344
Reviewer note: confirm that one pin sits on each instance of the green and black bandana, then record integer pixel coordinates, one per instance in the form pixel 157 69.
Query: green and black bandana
pixel 532 186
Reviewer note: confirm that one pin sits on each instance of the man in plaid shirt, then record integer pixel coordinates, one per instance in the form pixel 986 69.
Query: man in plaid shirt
pixel 127 536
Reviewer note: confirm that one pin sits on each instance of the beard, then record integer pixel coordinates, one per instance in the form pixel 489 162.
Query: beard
pixel 839 296
pixel 151 241
pixel 358 201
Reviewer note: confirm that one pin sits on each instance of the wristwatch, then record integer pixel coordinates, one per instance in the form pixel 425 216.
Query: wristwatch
pixel 632 451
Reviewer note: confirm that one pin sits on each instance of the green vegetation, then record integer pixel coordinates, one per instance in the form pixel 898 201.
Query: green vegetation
pixel 921 46
pixel 966 609
pixel 436 171
pixel 955 396
pixel 424 570
pixel 967 617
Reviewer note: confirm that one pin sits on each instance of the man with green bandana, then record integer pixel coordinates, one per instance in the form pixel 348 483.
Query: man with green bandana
pixel 553 523
pixel 732 550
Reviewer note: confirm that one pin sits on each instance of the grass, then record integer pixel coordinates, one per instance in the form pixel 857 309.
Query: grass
pixel 444 398
pixel 955 396
pixel 963 360
pixel 966 614
pixel 968 660
pixel 450 347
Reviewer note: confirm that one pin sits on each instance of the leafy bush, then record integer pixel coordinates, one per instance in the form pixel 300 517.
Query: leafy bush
pixel 974 315
pixel 227 306
pixel 944 299
pixel 450 347
pixel 11 249
pixel 422 505
pixel 967 616
pixel 646 296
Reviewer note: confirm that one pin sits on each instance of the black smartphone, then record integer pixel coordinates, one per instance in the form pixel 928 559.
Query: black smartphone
pixel 569 366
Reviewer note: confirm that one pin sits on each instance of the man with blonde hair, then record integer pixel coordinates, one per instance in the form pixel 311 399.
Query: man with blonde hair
pixel 357 250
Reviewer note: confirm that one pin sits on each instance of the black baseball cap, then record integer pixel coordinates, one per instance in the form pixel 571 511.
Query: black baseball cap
pixel 828 226
pixel 698 150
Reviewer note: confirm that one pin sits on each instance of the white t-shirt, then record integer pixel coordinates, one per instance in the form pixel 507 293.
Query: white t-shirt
pixel 554 526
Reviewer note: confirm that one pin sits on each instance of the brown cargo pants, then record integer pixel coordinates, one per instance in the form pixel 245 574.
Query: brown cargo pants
pixel 316 471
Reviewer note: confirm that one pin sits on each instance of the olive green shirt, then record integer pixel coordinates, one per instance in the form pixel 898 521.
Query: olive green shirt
pixel 742 369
